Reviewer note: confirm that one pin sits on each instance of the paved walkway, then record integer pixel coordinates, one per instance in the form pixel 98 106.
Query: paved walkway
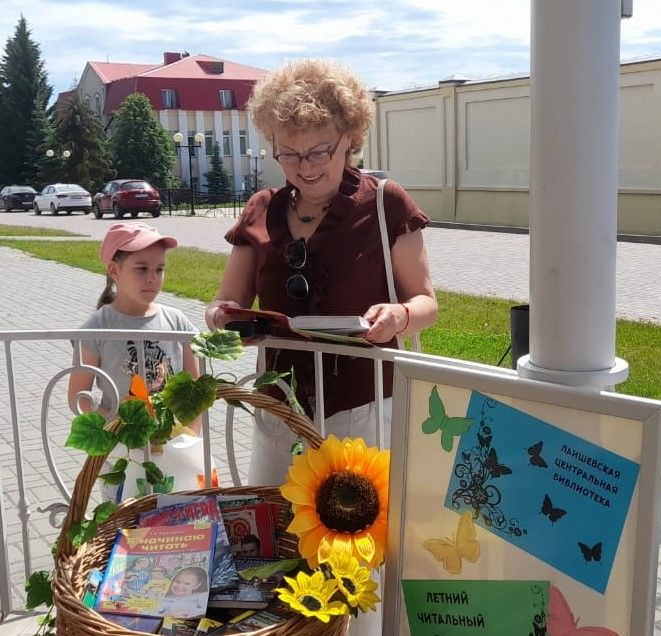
pixel 39 294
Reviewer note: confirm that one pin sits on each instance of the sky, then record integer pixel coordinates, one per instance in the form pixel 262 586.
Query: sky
pixel 390 44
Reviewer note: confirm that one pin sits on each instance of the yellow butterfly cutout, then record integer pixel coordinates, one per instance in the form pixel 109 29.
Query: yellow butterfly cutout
pixel 139 391
pixel 450 551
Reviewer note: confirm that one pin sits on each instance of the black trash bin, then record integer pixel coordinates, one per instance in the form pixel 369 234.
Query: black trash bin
pixel 519 331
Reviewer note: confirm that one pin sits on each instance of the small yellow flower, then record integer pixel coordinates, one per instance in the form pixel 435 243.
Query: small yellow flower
pixel 354 581
pixel 310 596
pixel 339 497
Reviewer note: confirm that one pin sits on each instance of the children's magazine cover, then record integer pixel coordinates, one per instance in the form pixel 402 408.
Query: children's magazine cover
pixel 259 577
pixel 159 571
pixel 223 573
pixel 178 627
pixel 135 623
pixel 251 530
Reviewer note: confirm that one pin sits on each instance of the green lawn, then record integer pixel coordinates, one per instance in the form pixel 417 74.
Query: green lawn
pixel 468 327
pixel 21 230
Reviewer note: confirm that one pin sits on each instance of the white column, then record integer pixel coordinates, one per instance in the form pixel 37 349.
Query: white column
pixel 182 121
pixel 218 129
pixel 573 192
pixel 236 150
pixel 201 153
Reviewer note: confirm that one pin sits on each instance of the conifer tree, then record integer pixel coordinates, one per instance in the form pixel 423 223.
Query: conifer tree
pixel 79 131
pixel 141 147
pixel 218 181
pixel 23 88
pixel 38 168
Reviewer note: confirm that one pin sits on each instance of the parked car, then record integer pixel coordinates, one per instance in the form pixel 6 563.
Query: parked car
pixel 62 197
pixel 15 197
pixel 122 196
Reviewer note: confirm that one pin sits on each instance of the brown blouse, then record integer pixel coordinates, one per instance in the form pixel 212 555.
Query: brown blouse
pixel 345 272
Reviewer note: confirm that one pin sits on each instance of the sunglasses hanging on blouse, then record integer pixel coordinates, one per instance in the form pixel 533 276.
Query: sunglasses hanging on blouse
pixel 296 257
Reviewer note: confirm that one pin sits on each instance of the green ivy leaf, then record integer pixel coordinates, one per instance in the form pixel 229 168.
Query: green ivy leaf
pixel 104 511
pixel 113 479
pixel 39 591
pixel 138 424
pixel 164 419
pixel 220 344
pixel 270 377
pixel 153 473
pixel 186 397
pixel 82 531
pixel 87 434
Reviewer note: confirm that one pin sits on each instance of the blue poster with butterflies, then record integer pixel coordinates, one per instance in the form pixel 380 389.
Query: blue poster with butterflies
pixel 553 494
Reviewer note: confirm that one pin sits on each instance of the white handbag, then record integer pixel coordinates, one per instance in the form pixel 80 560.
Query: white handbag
pixel 388 261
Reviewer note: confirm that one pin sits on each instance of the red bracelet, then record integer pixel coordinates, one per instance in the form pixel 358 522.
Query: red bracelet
pixel 408 317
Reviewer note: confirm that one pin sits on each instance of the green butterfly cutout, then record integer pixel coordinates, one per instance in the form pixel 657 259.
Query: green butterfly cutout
pixel 450 427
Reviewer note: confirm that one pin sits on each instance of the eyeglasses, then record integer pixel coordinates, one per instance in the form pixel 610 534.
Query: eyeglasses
pixel 296 257
pixel 314 157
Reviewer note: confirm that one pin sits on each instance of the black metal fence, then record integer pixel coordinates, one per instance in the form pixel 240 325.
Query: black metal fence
pixel 181 199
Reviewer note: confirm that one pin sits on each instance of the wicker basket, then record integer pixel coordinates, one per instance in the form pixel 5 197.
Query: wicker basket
pixel 72 566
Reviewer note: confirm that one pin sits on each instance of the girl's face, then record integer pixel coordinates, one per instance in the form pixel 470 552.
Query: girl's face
pixel 317 182
pixel 185 583
pixel 138 278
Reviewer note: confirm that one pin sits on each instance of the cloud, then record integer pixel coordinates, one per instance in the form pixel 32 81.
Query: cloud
pixel 390 43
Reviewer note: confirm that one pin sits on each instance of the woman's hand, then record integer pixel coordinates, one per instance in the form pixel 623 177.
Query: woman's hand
pixel 215 316
pixel 386 321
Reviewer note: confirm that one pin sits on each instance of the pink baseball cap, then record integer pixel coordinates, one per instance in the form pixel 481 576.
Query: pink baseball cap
pixel 131 237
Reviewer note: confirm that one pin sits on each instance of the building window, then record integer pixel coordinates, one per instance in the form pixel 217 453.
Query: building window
pixel 169 97
pixel 226 99
pixel 243 144
pixel 227 143
pixel 97 103
pixel 208 141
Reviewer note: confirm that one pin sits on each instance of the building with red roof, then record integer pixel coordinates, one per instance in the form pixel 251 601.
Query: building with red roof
pixel 190 94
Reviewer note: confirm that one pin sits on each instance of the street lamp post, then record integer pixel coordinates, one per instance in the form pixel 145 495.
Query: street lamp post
pixel 257 157
pixel 197 143
pixel 50 153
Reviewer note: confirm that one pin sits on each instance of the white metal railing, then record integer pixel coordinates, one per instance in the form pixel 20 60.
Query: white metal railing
pixel 35 468
pixel 37 472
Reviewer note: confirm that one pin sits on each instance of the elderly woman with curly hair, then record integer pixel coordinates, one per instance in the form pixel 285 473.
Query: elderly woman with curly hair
pixel 313 247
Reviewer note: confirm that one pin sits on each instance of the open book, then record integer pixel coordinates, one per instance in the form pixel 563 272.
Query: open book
pixel 257 322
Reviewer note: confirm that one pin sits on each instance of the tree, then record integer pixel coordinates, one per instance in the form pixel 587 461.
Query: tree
pixel 218 181
pixel 23 88
pixel 38 169
pixel 141 147
pixel 78 130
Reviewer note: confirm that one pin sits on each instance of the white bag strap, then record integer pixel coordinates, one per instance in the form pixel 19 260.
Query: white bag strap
pixel 387 258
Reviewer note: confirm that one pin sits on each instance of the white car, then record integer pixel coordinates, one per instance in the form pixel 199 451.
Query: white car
pixel 65 197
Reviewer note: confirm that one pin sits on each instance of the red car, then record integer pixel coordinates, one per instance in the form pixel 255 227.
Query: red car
pixel 122 196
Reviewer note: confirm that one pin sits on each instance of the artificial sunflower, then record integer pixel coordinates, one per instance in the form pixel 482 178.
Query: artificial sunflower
pixel 339 496
pixel 310 596
pixel 354 581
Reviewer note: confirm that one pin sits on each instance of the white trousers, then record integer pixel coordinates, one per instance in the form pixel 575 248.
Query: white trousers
pixel 272 440
pixel 271 457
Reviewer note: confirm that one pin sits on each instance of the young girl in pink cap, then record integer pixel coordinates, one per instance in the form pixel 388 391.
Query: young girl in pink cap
pixel 134 255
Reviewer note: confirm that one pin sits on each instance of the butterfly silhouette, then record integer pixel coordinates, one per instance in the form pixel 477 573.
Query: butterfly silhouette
pixel 552 513
pixel 492 465
pixel 561 621
pixel 139 391
pixel 590 553
pixel 535 458
pixel 484 440
pixel 450 427
pixel 464 544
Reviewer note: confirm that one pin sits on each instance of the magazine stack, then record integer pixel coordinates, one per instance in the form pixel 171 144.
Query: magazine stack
pixel 196 564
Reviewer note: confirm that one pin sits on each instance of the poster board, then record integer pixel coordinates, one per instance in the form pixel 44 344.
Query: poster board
pixel 519 507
